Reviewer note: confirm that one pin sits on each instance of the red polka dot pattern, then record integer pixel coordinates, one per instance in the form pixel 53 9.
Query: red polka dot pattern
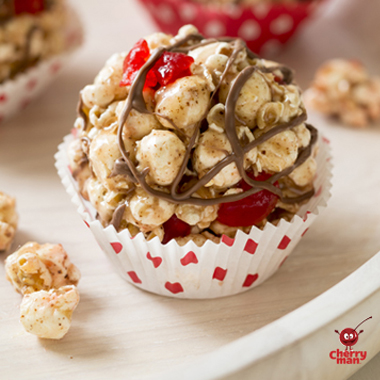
pixel 263 27
pixel 155 260
pixel 134 277
pixel 250 246
pixel 284 243
pixel 189 258
pixel 219 273
pixel 227 240
pixel 250 279
pixel 117 247
pixel 174 288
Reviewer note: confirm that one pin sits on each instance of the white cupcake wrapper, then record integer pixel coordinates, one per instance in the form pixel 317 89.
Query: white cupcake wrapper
pixel 210 271
pixel 17 93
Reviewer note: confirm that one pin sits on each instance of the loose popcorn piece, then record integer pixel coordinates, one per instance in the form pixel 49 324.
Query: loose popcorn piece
pixel 179 139
pixel 37 267
pixel 344 89
pixel 47 314
pixel 8 220
pixel 30 31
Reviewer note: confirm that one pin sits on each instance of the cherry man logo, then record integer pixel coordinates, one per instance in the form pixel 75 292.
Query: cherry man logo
pixel 349 337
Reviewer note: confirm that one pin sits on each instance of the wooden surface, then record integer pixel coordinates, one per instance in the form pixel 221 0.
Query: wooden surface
pixel 123 332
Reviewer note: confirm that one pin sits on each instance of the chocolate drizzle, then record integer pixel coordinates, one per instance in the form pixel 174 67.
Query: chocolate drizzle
pixel 135 100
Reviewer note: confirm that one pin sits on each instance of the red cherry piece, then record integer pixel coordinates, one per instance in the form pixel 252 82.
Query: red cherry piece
pixel 175 227
pixel 284 242
pixel 28 6
pixel 219 273
pixel 175 287
pixel 133 62
pixel 189 258
pixel 250 210
pixel 172 66
pixel 250 279
pixel 250 246
pixel 134 277
pixel 168 68
pixel 155 260
pixel 117 247
pixel 282 262
pixel 227 240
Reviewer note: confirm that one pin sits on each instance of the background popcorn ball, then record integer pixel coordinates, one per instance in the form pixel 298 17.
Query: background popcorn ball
pixel 180 109
pixel 8 220
pixel 27 38
pixel 47 314
pixel 344 89
pixel 37 267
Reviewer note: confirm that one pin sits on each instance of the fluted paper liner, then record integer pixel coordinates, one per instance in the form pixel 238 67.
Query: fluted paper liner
pixel 17 93
pixel 264 26
pixel 213 270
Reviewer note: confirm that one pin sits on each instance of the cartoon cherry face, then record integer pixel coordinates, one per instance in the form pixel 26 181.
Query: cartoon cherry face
pixel 348 337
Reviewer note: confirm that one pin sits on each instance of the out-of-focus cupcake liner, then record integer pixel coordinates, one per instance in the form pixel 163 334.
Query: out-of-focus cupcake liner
pixel 210 271
pixel 265 27
pixel 17 93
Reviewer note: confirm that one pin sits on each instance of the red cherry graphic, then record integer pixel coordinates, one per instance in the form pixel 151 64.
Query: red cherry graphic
pixel 250 210
pixel 250 279
pixel 155 260
pixel 227 240
pixel 134 277
pixel 117 247
pixel 189 258
pixel 175 227
pixel 284 242
pixel 175 287
pixel 250 246
pixel 219 273
pixel 349 337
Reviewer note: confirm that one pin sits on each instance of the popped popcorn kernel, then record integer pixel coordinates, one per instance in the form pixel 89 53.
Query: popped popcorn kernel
pixel 47 314
pixel 35 267
pixel 8 220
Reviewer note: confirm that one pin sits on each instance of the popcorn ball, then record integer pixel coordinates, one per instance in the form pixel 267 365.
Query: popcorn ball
pixel 35 267
pixel 8 220
pixel 48 314
pixel 344 89
pixel 30 31
pixel 185 137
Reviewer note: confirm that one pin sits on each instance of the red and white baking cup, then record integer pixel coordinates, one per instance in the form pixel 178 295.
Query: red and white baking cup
pixel 17 93
pixel 265 27
pixel 213 270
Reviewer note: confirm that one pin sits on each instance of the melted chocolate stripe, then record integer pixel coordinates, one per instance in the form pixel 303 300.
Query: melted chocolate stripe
pixel 136 101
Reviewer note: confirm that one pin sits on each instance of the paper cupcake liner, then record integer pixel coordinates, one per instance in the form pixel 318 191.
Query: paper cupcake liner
pixel 213 270
pixel 265 27
pixel 17 93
